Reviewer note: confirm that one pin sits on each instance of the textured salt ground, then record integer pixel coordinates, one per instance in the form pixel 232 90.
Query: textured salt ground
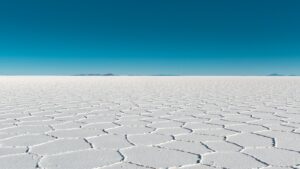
pixel 149 122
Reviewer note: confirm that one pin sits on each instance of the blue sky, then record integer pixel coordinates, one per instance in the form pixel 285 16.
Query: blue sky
pixel 192 37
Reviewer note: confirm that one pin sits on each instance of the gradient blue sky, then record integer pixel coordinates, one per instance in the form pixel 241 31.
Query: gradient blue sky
pixel 145 37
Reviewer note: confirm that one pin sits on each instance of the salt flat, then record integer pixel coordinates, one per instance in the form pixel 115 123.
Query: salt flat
pixel 149 122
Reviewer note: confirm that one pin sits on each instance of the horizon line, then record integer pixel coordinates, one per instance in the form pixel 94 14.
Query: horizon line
pixel 124 75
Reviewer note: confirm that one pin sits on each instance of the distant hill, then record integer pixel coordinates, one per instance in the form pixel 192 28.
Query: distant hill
pixel 111 74
pixel 96 74
pixel 164 75
pixel 277 74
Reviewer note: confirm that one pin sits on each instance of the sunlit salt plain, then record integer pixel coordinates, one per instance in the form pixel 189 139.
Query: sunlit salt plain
pixel 149 122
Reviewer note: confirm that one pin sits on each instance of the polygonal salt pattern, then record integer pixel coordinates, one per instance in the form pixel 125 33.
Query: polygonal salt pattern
pixel 85 159
pixel 148 139
pixel 158 157
pixel 149 122
pixel 124 165
pixel 251 140
pixel 109 142
pixel 234 160
pixel 275 156
pixel 190 147
pixel 24 161
pixel 60 146
pixel 26 140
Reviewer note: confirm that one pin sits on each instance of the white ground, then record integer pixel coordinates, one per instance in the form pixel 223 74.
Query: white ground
pixel 149 122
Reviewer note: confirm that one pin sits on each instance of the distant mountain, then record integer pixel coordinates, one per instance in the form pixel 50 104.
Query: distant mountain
pixel 111 74
pixel 277 74
pixel 164 75
pixel 96 74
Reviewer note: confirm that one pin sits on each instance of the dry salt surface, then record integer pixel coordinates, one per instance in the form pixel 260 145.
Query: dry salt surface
pixel 149 122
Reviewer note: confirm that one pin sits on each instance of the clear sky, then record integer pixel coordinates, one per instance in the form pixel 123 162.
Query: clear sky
pixel 146 37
